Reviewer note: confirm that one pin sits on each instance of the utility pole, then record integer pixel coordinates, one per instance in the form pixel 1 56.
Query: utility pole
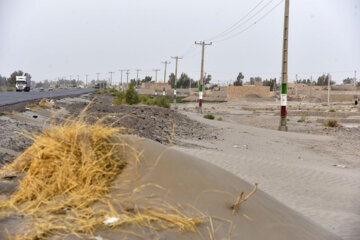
pixel 97 79
pixel 329 86
pixel 137 75
pixel 86 81
pixel 127 78
pixel 203 44
pixel 156 71
pixel 110 78
pixel 296 88
pixel 355 78
pixel 166 63
pixel 284 75
pixel 121 71
pixel 176 67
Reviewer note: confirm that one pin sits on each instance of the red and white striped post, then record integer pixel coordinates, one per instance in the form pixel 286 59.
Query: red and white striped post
pixel 284 75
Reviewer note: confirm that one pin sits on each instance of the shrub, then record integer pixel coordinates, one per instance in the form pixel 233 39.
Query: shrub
pixel 219 119
pixel 209 116
pixel 1 90
pixel 10 89
pixel 162 102
pixel 332 110
pixel 131 96
pixel 332 123
pixel 324 104
pixel 120 96
pixel 302 119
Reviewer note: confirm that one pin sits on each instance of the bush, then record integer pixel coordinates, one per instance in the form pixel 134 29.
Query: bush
pixel 131 96
pixel 332 110
pixel 219 119
pixel 119 99
pixel 10 89
pixel 332 123
pixel 209 116
pixel 302 119
pixel 1 90
pixel 162 102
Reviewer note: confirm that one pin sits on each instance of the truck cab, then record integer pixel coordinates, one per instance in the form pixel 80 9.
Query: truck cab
pixel 22 83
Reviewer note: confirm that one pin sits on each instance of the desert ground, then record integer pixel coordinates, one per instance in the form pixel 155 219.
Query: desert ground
pixel 313 169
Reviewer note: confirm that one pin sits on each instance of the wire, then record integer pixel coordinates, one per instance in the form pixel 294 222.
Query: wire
pixel 242 21
pixel 244 30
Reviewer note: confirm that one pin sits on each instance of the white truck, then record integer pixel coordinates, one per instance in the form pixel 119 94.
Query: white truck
pixel 23 83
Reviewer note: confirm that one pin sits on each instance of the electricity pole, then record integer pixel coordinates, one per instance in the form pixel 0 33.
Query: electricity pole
pixel 97 78
pixel 86 81
pixel 111 78
pixel 284 75
pixel 121 78
pixel 296 89
pixel 137 75
pixel 203 44
pixel 156 70
pixel 166 63
pixel 355 78
pixel 127 78
pixel 329 80
pixel 176 67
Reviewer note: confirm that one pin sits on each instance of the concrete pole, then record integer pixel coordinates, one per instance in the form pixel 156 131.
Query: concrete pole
pixel 176 68
pixel 111 78
pixel 86 81
pixel 355 78
pixel 202 43
pixel 284 75
pixel 329 86
pixel 296 88
pixel 166 63
pixel 121 78
pixel 127 78
pixel 137 75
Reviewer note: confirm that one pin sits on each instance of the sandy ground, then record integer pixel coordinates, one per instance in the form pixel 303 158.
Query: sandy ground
pixel 295 167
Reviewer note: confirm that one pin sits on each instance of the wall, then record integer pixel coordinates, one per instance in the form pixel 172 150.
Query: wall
pixel 238 92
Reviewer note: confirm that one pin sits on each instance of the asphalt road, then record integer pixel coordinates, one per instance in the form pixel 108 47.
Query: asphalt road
pixel 8 98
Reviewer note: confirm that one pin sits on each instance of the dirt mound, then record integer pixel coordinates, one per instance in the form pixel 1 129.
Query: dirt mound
pixel 151 122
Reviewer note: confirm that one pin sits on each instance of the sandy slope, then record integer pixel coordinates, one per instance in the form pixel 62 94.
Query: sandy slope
pixel 294 168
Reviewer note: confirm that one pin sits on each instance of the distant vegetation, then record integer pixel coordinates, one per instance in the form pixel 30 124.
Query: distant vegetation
pixel 332 123
pixel 209 116
pixel 131 97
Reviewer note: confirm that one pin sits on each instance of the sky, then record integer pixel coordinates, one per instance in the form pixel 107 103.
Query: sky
pixel 59 38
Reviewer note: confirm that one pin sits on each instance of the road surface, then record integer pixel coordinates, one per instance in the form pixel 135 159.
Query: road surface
pixel 8 98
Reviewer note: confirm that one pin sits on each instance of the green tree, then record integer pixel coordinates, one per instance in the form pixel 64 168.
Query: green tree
pixel 207 79
pixel 12 78
pixel 3 81
pixel 255 79
pixel 271 82
pixel 323 80
pixel 347 80
pixel 171 81
pixel 239 79
pixel 146 79
pixel 131 96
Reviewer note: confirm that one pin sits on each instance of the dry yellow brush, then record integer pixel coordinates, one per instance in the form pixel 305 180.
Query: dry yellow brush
pixel 69 167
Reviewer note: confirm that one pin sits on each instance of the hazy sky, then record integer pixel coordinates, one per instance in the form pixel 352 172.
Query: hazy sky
pixel 59 38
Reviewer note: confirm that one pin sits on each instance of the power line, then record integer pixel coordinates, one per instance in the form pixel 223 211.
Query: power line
pixel 236 23
pixel 247 28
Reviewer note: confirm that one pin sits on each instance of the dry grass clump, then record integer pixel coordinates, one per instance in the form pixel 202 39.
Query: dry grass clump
pixel 43 103
pixel 69 167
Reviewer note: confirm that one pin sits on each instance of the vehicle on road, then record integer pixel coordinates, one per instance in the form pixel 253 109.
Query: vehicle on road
pixel 22 83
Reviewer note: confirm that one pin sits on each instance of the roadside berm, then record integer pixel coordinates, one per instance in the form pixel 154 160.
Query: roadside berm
pixel 82 180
